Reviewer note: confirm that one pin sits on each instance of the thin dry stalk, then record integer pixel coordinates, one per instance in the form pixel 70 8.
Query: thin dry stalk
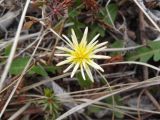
pixel 150 19
pixel 20 78
pixel 20 111
pixel 13 49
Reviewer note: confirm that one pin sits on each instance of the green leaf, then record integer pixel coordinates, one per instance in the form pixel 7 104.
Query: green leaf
pixel 77 28
pixel 117 101
pixel 146 53
pixel 93 109
pixel 7 50
pixel 156 45
pixel 116 44
pixel 95 29
pixel 143 54
pixel 84 83
pixel 75 10
pixel 51 69
pixel 112 9
pixel 119 114
pixel 38 70
pixel 156 56
pixel 18 65
pixel 48 92
pixel 73 13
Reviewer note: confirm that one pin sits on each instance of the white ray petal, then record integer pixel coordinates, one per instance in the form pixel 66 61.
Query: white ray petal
pixel 74 38
pixel 100 45
pixel 68 40
pixel 100 57
pixel 74 70
pixel 88 71
pixel 99 50
pixel 64 62
pixel 82 72
pixel 64 49
pixel 84 38
pixel 92 45
pixel 95 38
pixel 62 55
pixel 95 65
pixel 68 68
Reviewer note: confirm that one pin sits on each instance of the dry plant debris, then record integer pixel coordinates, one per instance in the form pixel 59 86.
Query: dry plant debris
pixel 34 85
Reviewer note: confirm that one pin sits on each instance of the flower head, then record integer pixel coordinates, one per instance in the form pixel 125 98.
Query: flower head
pixel 82 54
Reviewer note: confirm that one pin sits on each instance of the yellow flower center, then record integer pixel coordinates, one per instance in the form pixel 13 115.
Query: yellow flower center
pixel 80 54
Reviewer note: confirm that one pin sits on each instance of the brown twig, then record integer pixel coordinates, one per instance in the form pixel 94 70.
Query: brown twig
pixel 56 42
pixel 154 101
pixel 143 40
pixel 138 104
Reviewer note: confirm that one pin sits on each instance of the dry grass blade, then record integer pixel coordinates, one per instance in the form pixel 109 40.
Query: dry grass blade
pixel 23 73
pixel 67 74
pixel 21 110
pixel 128 88
pixel 134 62
pixel 21 39
pixel 123 49
pixel 151 20
pixel 79 107
pixel 9 61
pixel 61 32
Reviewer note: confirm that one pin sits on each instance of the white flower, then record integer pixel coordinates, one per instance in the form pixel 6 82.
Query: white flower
pixel 82 54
